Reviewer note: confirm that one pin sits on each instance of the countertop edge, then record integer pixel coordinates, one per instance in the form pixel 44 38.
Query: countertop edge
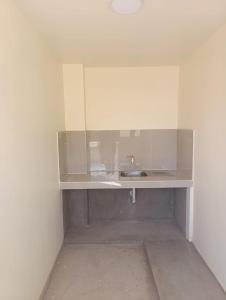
pixel 173 183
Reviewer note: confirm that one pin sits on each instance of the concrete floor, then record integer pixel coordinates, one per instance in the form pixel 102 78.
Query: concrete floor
pixel 102 272
pixel 131 261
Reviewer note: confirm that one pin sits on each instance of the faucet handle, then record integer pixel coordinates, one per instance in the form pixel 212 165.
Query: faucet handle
pixel 131 157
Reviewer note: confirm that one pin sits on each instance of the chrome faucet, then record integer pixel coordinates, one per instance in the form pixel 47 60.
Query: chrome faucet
pixel 131 158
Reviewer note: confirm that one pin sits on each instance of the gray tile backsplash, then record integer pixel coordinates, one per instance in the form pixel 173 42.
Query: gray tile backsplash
pixel 164 149
pixel 184 149
pixel 137 143
pixel 102 150
pixel 108 150
pixel 152 149
pixel 72 152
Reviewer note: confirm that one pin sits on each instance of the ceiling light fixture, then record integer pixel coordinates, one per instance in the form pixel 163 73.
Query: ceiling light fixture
pixel 126 6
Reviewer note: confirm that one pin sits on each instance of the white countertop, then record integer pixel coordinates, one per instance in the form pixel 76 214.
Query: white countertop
pixel 112 180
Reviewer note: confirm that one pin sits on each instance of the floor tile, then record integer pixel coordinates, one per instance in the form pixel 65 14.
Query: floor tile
pixel 102 272
pixel 180 273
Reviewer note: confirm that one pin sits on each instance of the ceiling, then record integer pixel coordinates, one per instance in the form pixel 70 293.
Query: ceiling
pixel 89 32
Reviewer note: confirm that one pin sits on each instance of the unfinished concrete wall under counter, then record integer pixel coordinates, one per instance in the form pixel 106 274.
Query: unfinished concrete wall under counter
pixel 75 208
pixel 114 205
pixel 180 198
pixel 110 214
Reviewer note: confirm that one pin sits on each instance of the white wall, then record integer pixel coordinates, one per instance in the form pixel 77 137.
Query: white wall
pixel 202 106
pixel 122 98
pixel 74 101
pixel 31 112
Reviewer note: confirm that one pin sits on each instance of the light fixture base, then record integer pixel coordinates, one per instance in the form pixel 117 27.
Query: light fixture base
pixel 126 6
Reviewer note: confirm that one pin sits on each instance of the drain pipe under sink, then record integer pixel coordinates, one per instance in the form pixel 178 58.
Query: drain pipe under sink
pixel 132 194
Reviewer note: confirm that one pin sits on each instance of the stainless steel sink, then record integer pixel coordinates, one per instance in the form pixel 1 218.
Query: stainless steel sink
pixel 133 174
pixel 150 173
pixel 161 173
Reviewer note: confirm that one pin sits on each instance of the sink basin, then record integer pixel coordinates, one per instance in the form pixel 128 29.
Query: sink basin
pixel 150 173
pixel 160 173
pixel 133 174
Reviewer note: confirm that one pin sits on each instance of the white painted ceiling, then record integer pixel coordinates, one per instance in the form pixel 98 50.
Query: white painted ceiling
pixel 89 32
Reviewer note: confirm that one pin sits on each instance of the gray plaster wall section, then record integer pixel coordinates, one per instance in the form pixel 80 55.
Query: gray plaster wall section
pixel 117 205
pixel 82 207
pixel 66 211
pixel 107 150
pixel 75 208
pixel 180 196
